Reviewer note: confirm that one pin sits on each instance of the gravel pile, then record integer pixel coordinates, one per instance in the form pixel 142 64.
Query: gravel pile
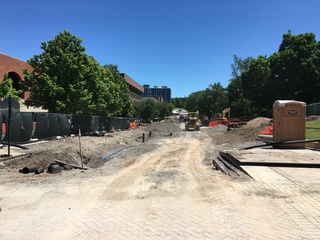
pixel 219 128
pixel 258 122
pixel 163 127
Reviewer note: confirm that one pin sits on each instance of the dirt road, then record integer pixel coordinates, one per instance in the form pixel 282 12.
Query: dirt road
pixel 180 167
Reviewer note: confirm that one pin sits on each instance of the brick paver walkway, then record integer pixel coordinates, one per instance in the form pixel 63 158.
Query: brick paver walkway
pixel 251 210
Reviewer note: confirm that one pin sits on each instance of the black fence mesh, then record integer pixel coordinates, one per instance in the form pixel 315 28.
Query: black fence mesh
pixel 28 125
pixel 21 125
pixel 313 109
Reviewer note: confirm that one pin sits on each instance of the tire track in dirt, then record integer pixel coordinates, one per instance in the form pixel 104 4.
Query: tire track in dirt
pixel 173 170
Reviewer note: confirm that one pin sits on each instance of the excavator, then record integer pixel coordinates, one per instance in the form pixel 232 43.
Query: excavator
pixel 223 119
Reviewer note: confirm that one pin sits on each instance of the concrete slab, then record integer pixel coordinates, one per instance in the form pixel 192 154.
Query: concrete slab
pixel 270 165
pixel 300 175
pixel 265 174
pixel 271 155
pixel 283 175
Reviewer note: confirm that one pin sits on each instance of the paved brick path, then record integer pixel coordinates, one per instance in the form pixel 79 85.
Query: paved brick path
pixel 248 210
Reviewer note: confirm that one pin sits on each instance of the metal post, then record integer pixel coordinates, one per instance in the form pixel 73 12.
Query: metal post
pixel 9 124
pixel 80 148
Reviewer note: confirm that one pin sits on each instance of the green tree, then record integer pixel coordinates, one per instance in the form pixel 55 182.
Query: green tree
pixel 193 101
pixel 295 70
pixel 240 106
pixel 257 86
pixel 179 102
pixel 147 109
pixel 213 101
pixel 165 109
pixel 7 89
pixel 239 65
pixel 66 80
pixel 126 100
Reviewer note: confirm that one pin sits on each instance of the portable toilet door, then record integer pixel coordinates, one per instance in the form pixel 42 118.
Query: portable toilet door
pixel 289 122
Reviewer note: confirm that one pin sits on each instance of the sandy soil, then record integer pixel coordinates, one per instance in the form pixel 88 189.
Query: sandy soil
pixel 168 154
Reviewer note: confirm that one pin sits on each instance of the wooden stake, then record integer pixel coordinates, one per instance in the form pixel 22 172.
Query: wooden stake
pixel 80 148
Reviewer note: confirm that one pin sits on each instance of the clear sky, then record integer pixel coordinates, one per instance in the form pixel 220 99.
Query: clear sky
pixel 183 44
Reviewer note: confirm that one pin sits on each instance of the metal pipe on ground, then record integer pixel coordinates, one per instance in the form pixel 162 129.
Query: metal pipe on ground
pixel 27 170
pixel 280 143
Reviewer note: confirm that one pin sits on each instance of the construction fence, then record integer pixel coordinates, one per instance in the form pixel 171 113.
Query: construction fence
pixel 25 126
pixel 313 109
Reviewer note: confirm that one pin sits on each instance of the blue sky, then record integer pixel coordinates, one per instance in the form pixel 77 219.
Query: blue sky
pixel 183 44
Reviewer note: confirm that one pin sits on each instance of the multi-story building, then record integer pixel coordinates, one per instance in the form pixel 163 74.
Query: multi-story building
pixel 135 89
pixel 159 93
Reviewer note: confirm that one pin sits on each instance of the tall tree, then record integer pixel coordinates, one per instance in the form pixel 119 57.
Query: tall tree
pixel 257 85
pixel 66 80
pixel 240 106
pixel 192 102
pixel 239 65
pixel 179 102
pixel 147 109
pixel 295 70
pixel 165 109
pixel 126 101
pixel 213 100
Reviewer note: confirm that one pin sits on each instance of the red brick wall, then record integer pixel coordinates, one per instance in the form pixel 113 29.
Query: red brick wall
pixel 10 64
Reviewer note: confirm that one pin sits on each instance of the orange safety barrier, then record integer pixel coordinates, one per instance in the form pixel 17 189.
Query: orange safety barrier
pixel 4 129
pixel 132 125
pixel 268 131
pixel 214 123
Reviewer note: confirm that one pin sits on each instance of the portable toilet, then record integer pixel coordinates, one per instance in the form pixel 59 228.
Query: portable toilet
pixel 289 123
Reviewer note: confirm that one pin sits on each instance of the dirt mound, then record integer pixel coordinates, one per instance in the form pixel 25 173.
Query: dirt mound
pixel 258 122
pixel 243 136
pixel 313 118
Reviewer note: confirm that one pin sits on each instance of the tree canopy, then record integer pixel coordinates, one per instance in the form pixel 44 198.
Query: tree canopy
pixel 209 102
pixel 295 69
pixel 149 109
pixel 7 89
pixel 237 102
pixel 122 90
pixel 65 79
pixel 292 73
pixel 193 101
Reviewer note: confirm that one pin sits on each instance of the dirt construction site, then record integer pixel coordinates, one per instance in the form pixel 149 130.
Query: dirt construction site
pixel 160 182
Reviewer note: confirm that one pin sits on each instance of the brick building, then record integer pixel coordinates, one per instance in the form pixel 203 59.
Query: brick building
pixel 14 67
pixel 135 89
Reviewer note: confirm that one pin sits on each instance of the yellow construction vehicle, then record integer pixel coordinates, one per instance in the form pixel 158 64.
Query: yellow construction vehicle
pixel 192 121
pixel 223 119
